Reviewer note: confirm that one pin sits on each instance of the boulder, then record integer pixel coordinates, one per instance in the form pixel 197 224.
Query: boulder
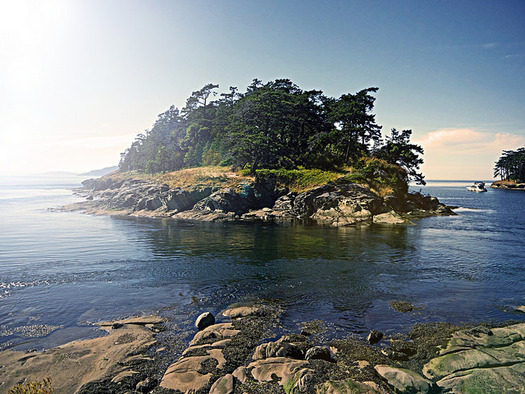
pixel 184 375
pixel 404 380
pixel 506 379
pixel 285 203
pixel 285 371
pixel 320 353
pixel 214 333
pixel 204 320
pixel 252 197
pixel 348 386
pixel 223 385
pixel 339 204
pixel 374 337
pixel 145 385
pixel 241 374
pixel 243 311
pixel 388 218
pixel 481 360
pixel 277 349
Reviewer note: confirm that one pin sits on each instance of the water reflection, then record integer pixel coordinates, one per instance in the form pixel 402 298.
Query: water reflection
pixel 330 273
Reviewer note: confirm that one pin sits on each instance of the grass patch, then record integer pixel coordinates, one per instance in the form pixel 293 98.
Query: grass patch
pixel 296 180
pixel 219 177
pixel 377 174
pixel 380 176
pixel 203 176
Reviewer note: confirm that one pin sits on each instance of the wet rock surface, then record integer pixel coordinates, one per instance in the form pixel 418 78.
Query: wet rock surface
pixel 481 360
pixel 242 353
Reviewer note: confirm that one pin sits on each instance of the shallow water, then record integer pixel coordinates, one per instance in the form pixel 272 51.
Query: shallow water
pixel 70 270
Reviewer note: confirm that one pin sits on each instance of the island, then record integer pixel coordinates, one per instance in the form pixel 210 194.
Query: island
pixel 273 153
pixel 511 168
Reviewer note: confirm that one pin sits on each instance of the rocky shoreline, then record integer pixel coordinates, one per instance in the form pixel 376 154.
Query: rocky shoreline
pixel 239 352
pixel 338 203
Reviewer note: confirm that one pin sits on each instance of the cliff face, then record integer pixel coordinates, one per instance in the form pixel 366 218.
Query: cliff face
pixel 338 203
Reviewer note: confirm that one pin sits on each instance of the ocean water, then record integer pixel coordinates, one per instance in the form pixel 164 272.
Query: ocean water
pixel 62 272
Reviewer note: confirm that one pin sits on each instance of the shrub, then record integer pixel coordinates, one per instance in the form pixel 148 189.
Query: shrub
pixel 297 180
pixel 43 387
pixel 378 174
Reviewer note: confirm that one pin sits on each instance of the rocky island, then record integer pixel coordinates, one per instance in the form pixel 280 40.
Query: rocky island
pixel 227 196
pixel 274 153
pixel 508 185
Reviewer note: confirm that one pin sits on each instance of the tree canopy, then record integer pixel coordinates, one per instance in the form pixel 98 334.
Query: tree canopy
pixel 271 125
pixel 511 165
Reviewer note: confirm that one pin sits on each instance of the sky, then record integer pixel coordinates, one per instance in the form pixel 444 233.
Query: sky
pixel 79 79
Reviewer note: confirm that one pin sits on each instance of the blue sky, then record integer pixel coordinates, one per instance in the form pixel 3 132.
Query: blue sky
pixel 80 78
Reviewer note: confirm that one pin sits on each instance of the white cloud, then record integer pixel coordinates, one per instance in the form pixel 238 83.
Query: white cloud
pixel 464 153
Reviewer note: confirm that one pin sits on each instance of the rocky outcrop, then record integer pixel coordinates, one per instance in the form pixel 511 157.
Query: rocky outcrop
pixel 472 360
pixel 481 360
pixel 508 185
pixel 118 359
pixel 338 203
pixel 242 354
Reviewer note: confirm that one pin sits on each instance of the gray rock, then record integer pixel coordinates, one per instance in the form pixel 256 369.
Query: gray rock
pixel 320 353
pixel 204 320
pixel 404 380
pixel 481 360
pixel 277 349
pixel 339 204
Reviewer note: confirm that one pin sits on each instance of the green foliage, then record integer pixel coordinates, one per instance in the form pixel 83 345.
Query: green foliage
pixel 511 165
pixel 379 175
pixel 211 158
pixel 43 387
pixel 399 151
pixel 272 125
pixel 297 180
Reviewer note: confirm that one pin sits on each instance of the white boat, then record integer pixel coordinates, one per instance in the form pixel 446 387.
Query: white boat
pixel 477 187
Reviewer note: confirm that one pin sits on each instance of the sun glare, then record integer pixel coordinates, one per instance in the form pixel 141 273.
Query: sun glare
pixel 29 31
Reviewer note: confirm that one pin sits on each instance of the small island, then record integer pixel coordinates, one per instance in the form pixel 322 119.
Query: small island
pixel 511 169
pixel 272 153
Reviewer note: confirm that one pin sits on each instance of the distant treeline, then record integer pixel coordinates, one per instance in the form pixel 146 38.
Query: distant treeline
pixel 511 165
pixel 271 125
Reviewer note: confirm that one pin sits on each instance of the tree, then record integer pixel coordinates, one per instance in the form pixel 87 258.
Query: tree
pixel 399 151
pixel 354 126
pixel 271 125
pixel 198 115
pixel 511 165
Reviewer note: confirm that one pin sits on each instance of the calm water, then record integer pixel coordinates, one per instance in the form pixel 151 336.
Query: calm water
pixel 69 270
